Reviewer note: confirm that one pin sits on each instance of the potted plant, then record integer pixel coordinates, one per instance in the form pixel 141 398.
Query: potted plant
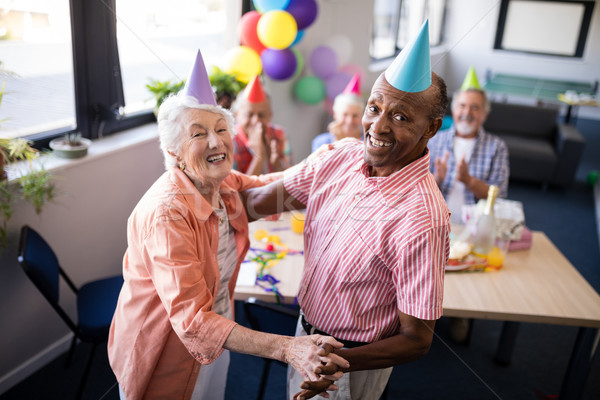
pixel 34 185
pixel 162 89
pixel 225 86
pixel 71 145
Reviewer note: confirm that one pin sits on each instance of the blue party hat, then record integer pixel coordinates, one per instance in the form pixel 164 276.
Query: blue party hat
pixel 198 85
pixel 411 70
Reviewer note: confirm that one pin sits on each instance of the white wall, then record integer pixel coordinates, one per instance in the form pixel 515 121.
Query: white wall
pixel 470 41
pixel 86 227
pixel 303 122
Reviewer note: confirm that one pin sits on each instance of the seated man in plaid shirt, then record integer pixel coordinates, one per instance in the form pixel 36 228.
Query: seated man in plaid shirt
pixel 465 159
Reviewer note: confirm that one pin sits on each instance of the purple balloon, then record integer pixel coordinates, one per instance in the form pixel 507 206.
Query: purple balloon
pixel 279 64
pixel 323 62
pixel 336 84
pixel 303 11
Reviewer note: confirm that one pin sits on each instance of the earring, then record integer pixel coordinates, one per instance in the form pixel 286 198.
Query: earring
pixel 182 166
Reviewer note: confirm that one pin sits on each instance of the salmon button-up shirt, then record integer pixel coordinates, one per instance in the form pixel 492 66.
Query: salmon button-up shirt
pixel 164 326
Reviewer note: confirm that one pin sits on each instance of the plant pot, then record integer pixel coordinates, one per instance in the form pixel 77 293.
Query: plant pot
pixel 61 148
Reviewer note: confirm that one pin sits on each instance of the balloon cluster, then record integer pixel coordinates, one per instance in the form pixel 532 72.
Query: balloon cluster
pixel 329 78
pixel 267 36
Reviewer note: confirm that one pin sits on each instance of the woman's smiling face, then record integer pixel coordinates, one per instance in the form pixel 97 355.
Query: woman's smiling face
pixel 207 148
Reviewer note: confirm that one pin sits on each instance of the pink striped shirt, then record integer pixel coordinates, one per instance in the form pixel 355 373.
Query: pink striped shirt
pixel 373 245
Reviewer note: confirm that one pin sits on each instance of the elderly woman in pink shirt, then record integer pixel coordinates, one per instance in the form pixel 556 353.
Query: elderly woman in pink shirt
pixel 186 239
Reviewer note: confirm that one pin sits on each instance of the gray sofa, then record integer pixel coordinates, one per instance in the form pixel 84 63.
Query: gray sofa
pixel 540 148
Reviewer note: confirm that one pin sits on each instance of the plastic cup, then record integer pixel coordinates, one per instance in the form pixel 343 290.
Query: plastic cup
pixel 495 257
pixel 297 222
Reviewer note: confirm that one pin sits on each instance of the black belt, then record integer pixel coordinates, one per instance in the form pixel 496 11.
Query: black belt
pixel 311 330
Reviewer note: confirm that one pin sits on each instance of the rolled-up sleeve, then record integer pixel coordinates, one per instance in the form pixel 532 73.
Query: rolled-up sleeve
pixel 179 264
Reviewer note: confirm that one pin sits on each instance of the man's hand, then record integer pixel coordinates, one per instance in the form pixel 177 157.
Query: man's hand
pixel 308 354
pixel 256 140
pixel 462 172
pixel 329 372
pixel 336 129
pixel 441 168
pixel 312 389
pixel 274 157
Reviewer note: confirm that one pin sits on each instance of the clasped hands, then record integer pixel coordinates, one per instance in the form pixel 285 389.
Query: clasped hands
pixel 325 371
pixel 259 146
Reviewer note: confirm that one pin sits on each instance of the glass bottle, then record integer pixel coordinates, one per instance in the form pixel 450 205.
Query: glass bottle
pixel 485 233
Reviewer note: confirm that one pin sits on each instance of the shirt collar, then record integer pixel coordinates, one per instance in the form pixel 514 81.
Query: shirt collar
pixel 202 208
pixel 395 186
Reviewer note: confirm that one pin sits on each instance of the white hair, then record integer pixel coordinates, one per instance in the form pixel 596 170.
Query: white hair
pixel 170 129
pixel 344 100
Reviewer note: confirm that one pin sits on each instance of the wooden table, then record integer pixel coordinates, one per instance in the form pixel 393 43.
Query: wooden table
pixel 538 285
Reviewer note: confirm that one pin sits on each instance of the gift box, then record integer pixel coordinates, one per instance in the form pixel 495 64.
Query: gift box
pixel 523 243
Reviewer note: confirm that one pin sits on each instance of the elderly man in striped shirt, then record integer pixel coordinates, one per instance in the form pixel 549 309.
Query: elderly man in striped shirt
pixel 376 234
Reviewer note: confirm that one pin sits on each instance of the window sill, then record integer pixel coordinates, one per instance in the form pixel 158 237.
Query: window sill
pixel 99 148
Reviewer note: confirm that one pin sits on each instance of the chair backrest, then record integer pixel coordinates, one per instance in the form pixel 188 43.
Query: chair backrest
pixel 40 263
pixel 270 317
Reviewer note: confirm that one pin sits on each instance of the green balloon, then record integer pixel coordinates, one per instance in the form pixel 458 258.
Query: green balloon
pixel 310 90
pixel 299 63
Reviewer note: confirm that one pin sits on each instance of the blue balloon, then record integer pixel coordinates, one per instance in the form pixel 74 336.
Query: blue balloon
pixel 299 37
pixel 268 5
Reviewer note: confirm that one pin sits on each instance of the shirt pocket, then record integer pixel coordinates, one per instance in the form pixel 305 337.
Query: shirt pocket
pixel 359 264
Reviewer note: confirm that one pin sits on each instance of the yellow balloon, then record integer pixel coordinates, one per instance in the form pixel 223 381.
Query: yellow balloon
pixel 277 29
pixel 243 62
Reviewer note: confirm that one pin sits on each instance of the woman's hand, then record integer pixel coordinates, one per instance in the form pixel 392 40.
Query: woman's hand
pixel 308 354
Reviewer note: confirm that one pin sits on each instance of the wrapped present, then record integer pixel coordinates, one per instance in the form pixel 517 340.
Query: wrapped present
pixel 524 241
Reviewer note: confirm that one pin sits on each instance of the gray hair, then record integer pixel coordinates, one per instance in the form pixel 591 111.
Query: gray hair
pixel 170 129
pixel 487 107
pixel 344 100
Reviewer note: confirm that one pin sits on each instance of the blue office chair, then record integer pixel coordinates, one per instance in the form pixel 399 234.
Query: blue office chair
pixel 271 318
pixel 96 300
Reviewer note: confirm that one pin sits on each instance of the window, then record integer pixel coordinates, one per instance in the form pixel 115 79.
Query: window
pixel 37 67
pixel 558 28
pixel 159 40
pixel 85 67
pixel 397 21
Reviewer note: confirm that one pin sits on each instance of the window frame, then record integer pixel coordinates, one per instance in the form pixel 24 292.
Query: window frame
pixel 98 84
pixel 398 19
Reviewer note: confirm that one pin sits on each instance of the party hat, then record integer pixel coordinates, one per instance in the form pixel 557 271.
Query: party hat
pixel 198 85
pixel 471 81
pixel 353 87
pixel 254 92
pixel 411 70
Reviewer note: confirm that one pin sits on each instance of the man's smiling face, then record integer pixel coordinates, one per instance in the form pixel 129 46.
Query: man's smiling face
pixel 397 126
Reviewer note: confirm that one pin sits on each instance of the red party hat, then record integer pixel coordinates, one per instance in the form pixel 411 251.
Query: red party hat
pixel 254 92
